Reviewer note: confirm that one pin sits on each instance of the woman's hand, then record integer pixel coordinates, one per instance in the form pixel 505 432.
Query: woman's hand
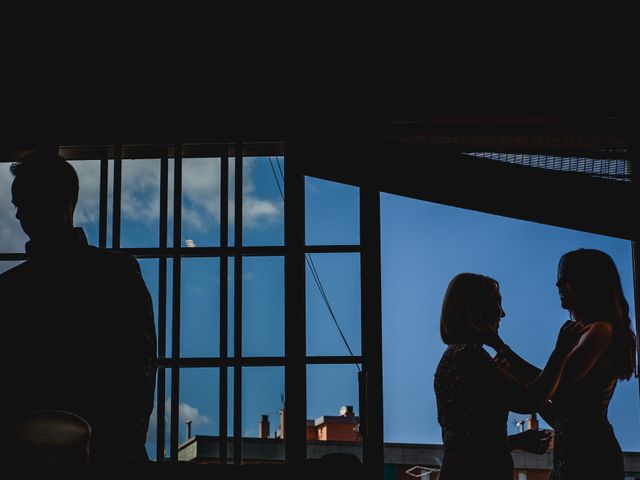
pixel 533 441
pixel 569 335
pixel 491 338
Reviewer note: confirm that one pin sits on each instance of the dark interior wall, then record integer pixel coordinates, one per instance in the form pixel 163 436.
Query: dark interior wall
pixel 400 151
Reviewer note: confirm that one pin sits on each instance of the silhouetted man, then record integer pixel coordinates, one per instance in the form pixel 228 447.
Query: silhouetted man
pixel 77 321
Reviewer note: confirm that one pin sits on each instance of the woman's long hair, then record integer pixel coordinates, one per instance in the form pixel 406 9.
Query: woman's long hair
pixel 466 298
pixel 595 278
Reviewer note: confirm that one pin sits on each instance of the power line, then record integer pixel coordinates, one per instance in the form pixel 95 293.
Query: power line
pixel 312 267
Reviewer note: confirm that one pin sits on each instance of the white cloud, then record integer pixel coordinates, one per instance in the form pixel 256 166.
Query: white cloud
pixel 186 413
pixel 189 413
pixel 201 196
pixel 256 211
pixel 141 190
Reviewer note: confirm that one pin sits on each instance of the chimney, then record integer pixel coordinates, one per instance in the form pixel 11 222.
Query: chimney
pixel 188 429
pixel 529 423
pixel 346 411
pixel 264 426
pixel 533 422
pixel 280 431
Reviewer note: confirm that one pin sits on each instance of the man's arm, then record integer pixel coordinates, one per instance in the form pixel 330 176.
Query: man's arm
pixel 137 355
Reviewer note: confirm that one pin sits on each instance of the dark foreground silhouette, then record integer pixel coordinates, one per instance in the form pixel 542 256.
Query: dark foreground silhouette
pixel 78 327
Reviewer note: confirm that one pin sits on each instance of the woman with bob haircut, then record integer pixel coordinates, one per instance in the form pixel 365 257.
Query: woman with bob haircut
pixel 474 393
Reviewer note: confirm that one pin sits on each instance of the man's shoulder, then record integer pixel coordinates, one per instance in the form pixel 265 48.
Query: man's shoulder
pixel 110 260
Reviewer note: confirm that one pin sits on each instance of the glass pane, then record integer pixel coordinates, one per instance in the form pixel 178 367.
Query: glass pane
pixel 6 265
pixel 170 190
pixel 230 306
pixel 140 208
pixel 200 202
pixel 169 330
pixel 150 269
pixel 332 410
pixel 230 401
pixel 152 432
pixel 232 201
pixel 336 277
pixel 263 306
pixel 13 238
pixel 87 212
pixel 262 204
pixel 332 213
pixel 110 203
pixel 423 246
pixel 199 405
pixel 262 403
pixel 200 307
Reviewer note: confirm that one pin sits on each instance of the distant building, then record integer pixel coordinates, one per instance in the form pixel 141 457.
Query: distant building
pixel 403 461
pixel 341 428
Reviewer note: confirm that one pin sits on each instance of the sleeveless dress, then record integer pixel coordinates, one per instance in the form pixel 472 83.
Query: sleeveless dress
pixel 473 415
pixel 585 446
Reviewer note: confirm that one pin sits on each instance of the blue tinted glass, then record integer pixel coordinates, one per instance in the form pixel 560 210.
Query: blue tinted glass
pixel 339 279
pixel 152 432
pixel 149 268
pixel 332 213
pixel 8 265
pixel 423 246
pixel 140 203
pixel 199 401
pixel 87 212
pixel 200 307
pixel 263 306
pixel 332 410
pixel 13 238
pixel 262 203
pixel 200 202
pixel 262 394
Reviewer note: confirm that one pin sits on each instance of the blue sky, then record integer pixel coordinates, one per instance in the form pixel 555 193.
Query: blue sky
pixel 423 246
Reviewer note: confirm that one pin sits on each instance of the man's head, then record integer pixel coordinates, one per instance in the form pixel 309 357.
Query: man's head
pixel 45 194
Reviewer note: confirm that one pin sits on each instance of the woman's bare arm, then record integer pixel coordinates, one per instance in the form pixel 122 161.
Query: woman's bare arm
pixel 524 372
pixel 594 342
pixel 531 396
pixel 517 365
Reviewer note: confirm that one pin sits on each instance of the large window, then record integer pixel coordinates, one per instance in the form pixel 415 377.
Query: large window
pixel 423 246
pixel 333 317
pixel 240 308
pixel 206 224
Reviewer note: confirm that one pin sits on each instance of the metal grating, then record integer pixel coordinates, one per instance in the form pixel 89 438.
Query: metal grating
pixel 610 169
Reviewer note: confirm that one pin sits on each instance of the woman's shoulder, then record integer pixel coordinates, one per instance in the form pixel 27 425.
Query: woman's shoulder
pixel 462 361
pixel 600 331
pixel 600 328
pixel 469 351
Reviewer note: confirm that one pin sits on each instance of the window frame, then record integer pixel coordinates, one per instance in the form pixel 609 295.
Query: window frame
pixel 299 162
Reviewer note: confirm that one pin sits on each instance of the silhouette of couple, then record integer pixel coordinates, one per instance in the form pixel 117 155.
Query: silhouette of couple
pixel 79 334
pixel 475 392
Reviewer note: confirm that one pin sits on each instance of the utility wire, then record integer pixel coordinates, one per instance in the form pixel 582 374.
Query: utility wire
pixel 312 266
